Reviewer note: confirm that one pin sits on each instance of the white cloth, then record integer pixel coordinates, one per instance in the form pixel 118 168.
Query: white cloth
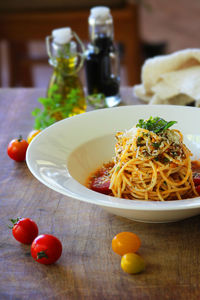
pixel 171 79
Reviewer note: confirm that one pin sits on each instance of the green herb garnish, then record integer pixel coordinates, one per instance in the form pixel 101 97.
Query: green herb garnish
pixel 156 145
pixel 162 159
pixel 54 105
pixel 139 139
pixel 97 100
pixel 156 124
pixel 165 160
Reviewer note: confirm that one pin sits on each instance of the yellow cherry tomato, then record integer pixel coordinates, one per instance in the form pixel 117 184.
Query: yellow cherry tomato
pixel 32 134
pixel 125 242
pixel 132 263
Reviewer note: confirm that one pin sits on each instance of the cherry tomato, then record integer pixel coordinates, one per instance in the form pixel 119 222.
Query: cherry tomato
pixel 32 134
pixel 100 185
pixel 17 149
pixel 46 249
pixel 125 242
pixel 132 263
pixel 196 178
pixel 24 230
pixel 100 181
pixel 198 189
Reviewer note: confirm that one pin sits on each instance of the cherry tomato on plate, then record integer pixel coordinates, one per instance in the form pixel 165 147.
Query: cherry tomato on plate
pixel 125 242
pixel 196 179
pixel 17 149
pixel 197 187
pixel 32 134
pixel 100 181
pixel 132 263
pixel 100 185
pixel 46 249
pixel 24 230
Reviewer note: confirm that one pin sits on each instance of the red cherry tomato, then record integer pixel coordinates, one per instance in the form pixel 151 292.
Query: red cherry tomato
pixel 24 230
pixel 198 189
pixel 100 185
pixel 17 149
pixel 196 179
pixel 46 249
pixel 125 242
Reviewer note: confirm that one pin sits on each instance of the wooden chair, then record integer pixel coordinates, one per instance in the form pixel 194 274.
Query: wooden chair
pixel 19 28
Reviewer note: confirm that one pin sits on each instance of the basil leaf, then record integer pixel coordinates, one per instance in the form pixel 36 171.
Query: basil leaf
pixel 156 124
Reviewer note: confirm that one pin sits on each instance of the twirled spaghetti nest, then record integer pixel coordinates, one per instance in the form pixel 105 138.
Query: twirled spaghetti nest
pixel 151 166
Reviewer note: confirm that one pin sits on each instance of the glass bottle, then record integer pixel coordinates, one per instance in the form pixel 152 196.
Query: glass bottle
pixel 102 59
pixel 66 55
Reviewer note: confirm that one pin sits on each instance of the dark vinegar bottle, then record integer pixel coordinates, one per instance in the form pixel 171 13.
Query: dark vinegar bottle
pixel 102 60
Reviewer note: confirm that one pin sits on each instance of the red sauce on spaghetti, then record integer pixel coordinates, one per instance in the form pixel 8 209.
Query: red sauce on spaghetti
pixel 99 181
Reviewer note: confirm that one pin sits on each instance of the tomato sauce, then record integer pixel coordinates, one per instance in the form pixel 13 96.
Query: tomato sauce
pixel 196 174
pixel 99 181
pixel 196 166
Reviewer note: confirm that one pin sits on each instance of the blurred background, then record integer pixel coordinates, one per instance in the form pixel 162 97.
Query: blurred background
pixel 143 28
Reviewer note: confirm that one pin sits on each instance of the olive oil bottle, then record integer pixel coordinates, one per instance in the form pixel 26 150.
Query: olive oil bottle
pixel 66 56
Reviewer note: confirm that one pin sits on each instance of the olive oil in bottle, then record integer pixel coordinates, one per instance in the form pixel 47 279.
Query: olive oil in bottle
pixel 65 88
pixel 102 59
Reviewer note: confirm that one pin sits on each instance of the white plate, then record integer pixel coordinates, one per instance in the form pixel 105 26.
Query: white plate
pixel 63 155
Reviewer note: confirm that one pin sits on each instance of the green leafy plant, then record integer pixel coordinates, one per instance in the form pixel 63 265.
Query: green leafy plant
pixel 156 124
pixel 97 100
pixel 54 105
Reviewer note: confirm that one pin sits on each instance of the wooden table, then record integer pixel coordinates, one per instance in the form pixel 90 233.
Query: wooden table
pixel 88 268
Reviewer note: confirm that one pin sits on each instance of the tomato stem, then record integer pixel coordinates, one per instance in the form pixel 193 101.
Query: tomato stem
pixel 14 221
pixel 41 254
pixel 20 138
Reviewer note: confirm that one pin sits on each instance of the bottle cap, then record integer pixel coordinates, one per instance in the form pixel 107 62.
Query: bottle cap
pixel 100 13
pixel 62 35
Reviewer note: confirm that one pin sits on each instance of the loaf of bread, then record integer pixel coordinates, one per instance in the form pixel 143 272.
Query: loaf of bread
pixel 171 79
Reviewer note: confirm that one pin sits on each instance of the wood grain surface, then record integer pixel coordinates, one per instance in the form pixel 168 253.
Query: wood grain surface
pixel 88 268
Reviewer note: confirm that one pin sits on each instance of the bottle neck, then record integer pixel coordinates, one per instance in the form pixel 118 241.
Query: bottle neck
pixel 99 31
pixel 64 58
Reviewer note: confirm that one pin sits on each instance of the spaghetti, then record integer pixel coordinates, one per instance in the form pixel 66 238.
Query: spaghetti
pixel 151 162
pixel 151 165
